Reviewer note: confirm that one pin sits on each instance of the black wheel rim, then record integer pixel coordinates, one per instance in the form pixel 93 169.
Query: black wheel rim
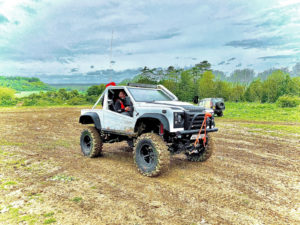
pixel 86 143
pixel 146 156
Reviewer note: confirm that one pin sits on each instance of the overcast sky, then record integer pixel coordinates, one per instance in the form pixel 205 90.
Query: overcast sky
pixel 68 36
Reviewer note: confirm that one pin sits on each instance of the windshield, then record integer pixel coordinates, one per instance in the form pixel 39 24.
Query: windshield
pixel 148 95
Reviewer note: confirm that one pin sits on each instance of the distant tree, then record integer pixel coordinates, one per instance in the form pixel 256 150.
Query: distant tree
pixel 237 92
pixel 95 90
pixel 244 76
pixel 222 89
pixel 219 75
pixel 33 79
pixel 7 96
pixel 186 83
pixel 253 92
pixel 206 85
pixel 265 74
pixel 274 86
pixel 203 66
pixel 149 74
pixel 296 70
pixel 146 80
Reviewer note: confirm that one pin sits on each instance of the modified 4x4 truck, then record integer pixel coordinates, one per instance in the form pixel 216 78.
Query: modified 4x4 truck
pixel 157 126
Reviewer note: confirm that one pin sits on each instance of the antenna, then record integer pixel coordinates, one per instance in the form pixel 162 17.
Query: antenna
pixel 110 57
pixel 111 40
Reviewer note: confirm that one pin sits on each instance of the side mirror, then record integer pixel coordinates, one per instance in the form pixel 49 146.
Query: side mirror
pixel 196 99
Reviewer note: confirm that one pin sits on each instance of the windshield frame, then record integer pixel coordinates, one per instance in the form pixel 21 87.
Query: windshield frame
pixel 156 89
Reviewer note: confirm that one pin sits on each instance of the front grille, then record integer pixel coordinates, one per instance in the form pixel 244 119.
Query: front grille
pixel 193 121
pixel 192 108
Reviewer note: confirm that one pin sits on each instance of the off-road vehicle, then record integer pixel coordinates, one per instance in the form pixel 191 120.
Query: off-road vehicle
pixel 216 104
pixel 158 125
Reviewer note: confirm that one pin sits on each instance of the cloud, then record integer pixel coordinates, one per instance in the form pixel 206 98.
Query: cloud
pixel 239 65
pixel 165 35
pixel 257 42
pixel 154 33
pixel 64 60
pixel 278 57
pixel 74 70
pixel 3 19
pixel 28 9
pixel 93 73
pixel 231 59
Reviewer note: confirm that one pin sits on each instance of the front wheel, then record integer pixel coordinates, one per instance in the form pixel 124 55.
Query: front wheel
pixel 91 142
pixel 204 152
pixel 151 155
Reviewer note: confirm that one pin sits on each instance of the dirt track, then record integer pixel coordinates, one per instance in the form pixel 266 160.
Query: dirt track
pixel 250 179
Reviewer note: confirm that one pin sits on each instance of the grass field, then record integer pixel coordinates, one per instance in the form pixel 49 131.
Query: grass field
pixel 261 112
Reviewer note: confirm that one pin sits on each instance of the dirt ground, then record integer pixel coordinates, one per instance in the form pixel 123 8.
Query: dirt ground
pixel 44 178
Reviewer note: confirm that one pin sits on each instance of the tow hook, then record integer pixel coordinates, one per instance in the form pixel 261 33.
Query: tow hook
pixel 195 151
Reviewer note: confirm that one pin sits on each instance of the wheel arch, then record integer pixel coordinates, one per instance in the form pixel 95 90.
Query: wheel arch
pixel 90 118
pixel 150 117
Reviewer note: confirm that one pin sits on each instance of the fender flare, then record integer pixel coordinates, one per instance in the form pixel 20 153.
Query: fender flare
pixel 157 116
pixel 90 118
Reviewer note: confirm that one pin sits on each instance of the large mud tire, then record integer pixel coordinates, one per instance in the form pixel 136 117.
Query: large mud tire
pixel 220 105
pixel 205 154
pixel 91 142
pixel 151 155
pixel 220 113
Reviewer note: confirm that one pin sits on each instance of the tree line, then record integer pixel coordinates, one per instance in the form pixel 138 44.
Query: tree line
pixel 199 80
pixel 241 85
pixel 24 83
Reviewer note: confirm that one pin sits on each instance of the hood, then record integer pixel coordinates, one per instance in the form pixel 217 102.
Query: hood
pixel 174 105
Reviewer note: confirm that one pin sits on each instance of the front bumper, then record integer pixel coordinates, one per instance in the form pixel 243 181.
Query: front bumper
pixel 208 130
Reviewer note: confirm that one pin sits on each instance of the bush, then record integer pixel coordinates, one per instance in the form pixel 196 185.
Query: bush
pixel 288 101
pixel 7 96
pixel 76 101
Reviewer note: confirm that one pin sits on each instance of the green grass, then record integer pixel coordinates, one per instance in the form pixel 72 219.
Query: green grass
pixel 76 199
pixel 261 112
pixel 48 214
pixel 7 184
pixel 50 220
pixel 13 216
pixel 274 130
pixel 8 143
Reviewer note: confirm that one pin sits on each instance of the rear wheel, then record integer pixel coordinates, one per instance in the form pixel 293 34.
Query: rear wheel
pixel 91 142
pixel 220 105
pixel 220 113
pixel 151 155
pixel 204 152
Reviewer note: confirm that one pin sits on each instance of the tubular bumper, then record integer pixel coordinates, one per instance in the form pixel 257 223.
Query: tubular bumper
pixel 196 131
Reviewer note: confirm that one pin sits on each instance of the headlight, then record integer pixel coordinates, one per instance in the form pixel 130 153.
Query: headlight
pixel 178 119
